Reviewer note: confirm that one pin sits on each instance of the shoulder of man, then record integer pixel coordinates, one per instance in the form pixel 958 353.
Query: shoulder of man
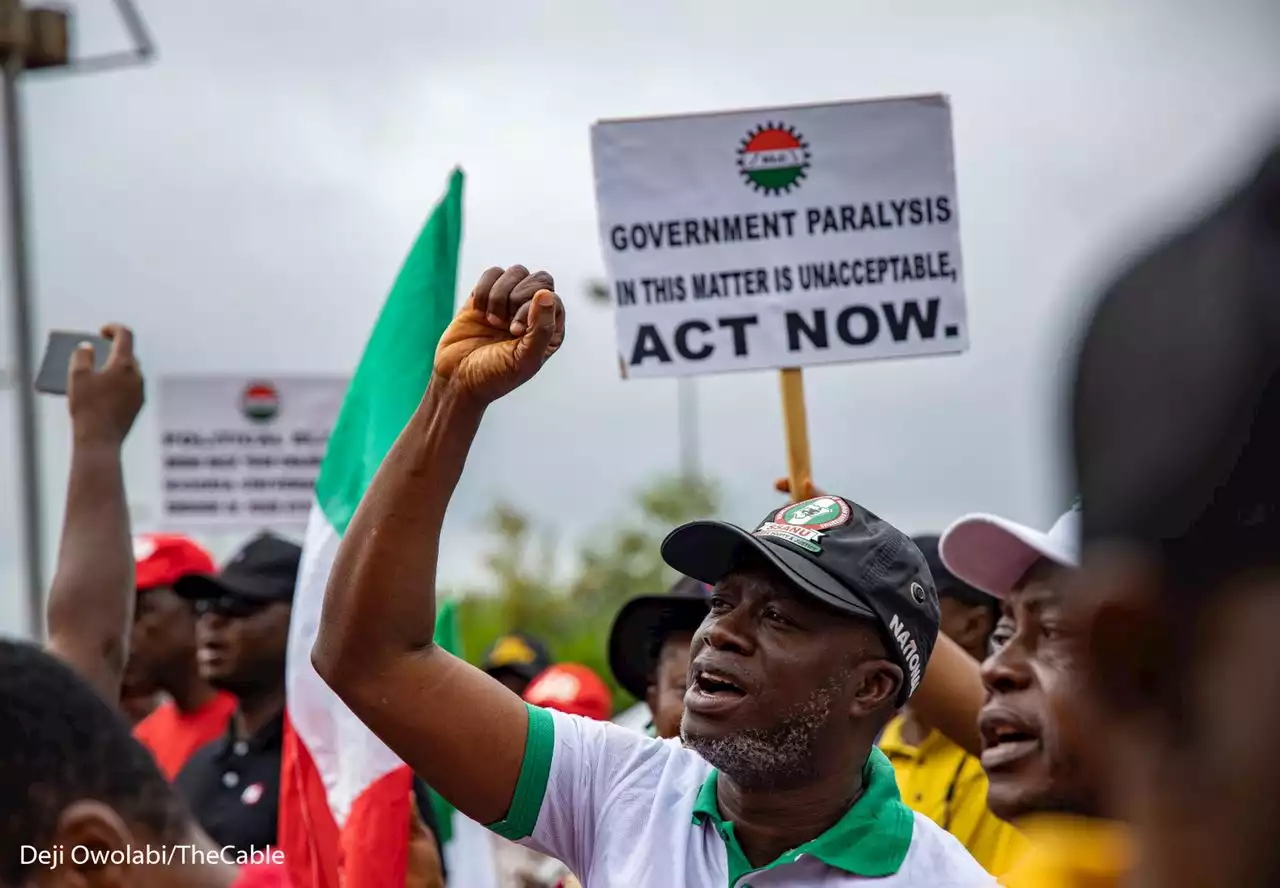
pixel 584 782
pixel 936 857
pixel 155 722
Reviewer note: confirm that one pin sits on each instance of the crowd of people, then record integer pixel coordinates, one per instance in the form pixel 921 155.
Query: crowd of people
pixel 832 701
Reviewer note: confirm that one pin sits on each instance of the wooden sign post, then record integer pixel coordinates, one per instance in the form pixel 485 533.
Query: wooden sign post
pixel 799 468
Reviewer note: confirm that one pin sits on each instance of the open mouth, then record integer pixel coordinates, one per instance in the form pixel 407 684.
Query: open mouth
pixel 1006 739
pixel 713 692
pixel 714 684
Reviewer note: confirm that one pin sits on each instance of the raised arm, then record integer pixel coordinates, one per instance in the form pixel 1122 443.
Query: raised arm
pixel 461 731
pixel 90 608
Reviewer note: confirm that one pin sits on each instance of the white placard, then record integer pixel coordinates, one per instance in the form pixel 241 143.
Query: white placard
pixel 782 237
pixel 243 453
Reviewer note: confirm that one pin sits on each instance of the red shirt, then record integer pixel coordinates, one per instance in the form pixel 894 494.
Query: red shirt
pixel 263 875
pixel 172 735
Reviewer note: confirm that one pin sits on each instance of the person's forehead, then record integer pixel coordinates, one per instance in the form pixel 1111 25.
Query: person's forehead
pixel 677 640
pixel 161 598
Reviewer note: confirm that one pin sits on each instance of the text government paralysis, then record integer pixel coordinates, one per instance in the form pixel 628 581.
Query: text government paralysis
pixel 838 219
pixel 149 855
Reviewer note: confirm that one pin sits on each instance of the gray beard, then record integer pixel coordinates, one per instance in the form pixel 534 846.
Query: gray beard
pixel 776 757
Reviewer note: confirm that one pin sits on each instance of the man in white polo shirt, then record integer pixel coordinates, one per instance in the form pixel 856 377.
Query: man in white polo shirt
pixel 820 625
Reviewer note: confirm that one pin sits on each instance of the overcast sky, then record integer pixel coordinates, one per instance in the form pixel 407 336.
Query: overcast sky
pixel 245 201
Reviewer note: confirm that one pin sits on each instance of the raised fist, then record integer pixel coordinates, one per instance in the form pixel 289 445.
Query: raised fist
pixel 105 403
pixel 509 326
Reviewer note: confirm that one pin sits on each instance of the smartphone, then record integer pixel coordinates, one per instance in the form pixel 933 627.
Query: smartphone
pixel 52 378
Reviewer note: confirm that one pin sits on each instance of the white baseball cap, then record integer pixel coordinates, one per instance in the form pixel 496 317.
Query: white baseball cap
pixel 992 553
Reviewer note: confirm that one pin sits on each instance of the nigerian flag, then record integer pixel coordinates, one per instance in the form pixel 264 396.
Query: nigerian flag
pixel 345 798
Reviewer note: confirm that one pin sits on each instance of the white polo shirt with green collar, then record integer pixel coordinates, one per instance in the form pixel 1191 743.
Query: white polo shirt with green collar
pixel 623 810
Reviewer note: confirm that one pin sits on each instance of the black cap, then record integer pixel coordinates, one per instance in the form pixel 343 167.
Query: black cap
pixel 517 652
pixel 644 622
pixel 841 554
pixel 264 570
pixel 1176 398
pixel 948 584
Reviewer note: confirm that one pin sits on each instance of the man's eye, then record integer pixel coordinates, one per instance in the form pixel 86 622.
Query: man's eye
pixel 776 615
pixel 718 604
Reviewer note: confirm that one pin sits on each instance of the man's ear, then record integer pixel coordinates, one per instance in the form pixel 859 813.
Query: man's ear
pixel 87 834
pixel 876 684
pixel 1118 612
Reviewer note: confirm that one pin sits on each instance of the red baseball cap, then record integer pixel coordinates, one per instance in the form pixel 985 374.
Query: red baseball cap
pixel 161 559
pixel 571 688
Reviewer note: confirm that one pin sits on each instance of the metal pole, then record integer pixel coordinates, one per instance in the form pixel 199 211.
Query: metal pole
pixel 23 332
pixel 687 423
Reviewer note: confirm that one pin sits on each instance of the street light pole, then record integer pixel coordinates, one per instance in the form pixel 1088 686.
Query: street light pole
pixel 23 336
pixel 37 39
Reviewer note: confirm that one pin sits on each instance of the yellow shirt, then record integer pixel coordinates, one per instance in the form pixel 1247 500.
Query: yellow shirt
pixel 947 785
pixel 1072 852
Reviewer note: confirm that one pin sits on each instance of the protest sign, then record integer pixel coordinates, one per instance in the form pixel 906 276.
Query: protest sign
pixel 782 237
pixel 243 453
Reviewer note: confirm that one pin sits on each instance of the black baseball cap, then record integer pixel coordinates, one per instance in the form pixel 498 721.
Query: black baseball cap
pixel 516 652
pixel 1175 407
pixel 644 622
pixel 948 584
pixel 265 570
pixel 838 552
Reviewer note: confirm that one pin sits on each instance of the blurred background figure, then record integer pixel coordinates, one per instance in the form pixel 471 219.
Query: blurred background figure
pixel 936 776
pixel 233 783
pixel 649 650
pixel 74 778
pixel 571 688
pixel 1176 430
pixel 162 654
pixel 515 660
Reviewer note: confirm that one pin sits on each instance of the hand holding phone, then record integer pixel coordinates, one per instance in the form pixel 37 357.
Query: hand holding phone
pixel 55 369
pixel 103 384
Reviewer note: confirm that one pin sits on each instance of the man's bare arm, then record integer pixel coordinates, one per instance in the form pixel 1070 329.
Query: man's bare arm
pixel 951 693
pixel 90 607
pixel 460 730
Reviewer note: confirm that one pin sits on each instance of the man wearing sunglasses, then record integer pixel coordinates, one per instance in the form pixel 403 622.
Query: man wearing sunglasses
pixel 233 784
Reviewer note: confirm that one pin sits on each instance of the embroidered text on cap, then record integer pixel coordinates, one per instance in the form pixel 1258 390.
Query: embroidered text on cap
pixel 910 650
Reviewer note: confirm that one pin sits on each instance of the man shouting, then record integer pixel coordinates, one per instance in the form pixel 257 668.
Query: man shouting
pixel 820 624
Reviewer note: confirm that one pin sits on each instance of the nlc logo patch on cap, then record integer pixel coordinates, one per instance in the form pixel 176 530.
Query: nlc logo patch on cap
pixel 802 524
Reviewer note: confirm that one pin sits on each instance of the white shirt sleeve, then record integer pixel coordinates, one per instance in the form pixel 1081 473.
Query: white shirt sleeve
pixel 580 777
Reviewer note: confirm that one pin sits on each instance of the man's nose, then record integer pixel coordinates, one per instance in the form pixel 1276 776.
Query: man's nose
pixel 732 630
pixel 1007 669
pixel 210 622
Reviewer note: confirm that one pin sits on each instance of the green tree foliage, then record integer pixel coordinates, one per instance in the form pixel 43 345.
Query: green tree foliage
pixel 573 614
